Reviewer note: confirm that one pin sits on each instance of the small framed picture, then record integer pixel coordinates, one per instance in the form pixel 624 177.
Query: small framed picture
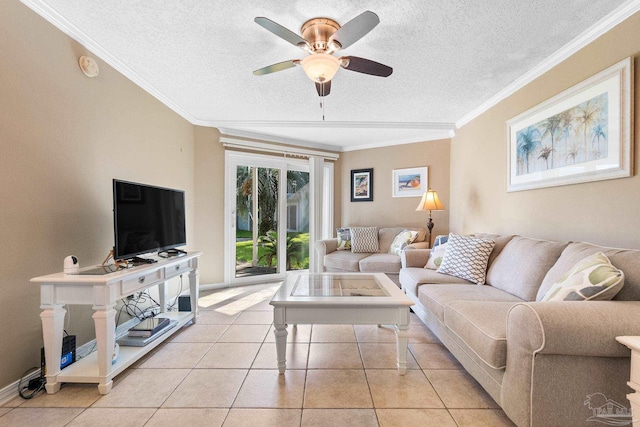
pixel 362 185
pixel 411 182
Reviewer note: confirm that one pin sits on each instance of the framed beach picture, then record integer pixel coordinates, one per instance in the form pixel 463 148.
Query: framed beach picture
pixel 582 134
pixel 410 182
pixel 362 185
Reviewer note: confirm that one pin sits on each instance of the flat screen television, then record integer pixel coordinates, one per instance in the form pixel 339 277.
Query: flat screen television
pixel 146 219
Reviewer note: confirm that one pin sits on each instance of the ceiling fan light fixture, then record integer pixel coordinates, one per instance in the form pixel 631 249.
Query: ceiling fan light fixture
pixel 320 67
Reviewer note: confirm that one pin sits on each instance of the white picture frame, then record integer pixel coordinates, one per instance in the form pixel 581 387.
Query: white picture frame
pixel 410 182
pixel 580 135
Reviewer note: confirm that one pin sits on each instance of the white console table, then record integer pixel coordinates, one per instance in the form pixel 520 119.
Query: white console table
pixel 634 381
pixel 102 292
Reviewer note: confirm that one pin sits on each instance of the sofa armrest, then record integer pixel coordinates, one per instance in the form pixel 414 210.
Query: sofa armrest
pixel 566 349
pixel 418 245
pixel 574 328
pixel 414 257
pixel 322 248
pixel 327 246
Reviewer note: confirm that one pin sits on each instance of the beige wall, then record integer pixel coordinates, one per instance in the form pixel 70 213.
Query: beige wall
pixel 209 204
pixel 63 138
pixel 385 210
pixel 604 212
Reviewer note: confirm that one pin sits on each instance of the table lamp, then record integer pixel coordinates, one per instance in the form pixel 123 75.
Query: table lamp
pixel 430 202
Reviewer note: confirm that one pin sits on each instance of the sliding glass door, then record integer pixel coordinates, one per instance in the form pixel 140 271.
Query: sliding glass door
pixel 256 222
pixel 266 198
pixel 297 247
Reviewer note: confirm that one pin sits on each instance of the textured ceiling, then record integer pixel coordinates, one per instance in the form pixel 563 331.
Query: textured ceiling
pixel 449 58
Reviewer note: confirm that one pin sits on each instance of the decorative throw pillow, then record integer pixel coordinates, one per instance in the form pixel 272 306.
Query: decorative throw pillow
pixel 467 257
pixel 402 239
pixel 592 279
pixel 344 239
pixel 440 240
pixel 364 239
pixel 435 256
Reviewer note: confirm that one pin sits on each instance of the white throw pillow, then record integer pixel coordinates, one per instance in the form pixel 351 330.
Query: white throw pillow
pixel 591 279
pixel 344 239
pixel 467 257
pixel 364 239
pixel 401 241
pixel 435 256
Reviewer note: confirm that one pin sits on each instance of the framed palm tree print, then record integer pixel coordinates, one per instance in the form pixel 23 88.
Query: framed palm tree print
pixel 582 134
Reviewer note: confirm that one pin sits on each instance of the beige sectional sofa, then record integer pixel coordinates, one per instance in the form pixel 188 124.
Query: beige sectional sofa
pixel 331 259
pixel 540 361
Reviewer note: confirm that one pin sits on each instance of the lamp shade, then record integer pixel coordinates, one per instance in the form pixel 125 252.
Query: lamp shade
pixel 430 202
pixel 320 67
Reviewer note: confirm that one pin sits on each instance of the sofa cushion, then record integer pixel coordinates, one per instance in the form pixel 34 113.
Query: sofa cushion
pixel 593 278
pixel 501 242
pixel 343 261
pixel 522 264
pixel 482 326
pixel 364 239
pixel 627 260
pixel 466 257
pixel 411 278
pixel 435 297
pixel 380 263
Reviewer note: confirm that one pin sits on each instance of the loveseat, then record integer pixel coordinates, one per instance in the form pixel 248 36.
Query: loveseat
pixel 545 363
pixel 332 259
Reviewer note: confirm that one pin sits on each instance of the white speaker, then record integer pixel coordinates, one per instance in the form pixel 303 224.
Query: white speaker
pixel 71 265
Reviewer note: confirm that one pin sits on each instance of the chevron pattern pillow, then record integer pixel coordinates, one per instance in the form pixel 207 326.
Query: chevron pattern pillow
pixel 467 257
pixel 364 239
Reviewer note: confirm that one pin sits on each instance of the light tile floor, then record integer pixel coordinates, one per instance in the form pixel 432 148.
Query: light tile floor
pixel 222 372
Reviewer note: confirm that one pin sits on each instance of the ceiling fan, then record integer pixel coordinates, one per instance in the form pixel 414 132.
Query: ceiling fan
pixel 321 39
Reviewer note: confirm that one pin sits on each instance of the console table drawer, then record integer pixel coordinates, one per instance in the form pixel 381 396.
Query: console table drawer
pixel 142 281
pixel 176 269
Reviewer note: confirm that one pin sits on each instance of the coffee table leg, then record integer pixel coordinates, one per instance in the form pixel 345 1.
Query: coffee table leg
pixel 281 346
pixel 402 340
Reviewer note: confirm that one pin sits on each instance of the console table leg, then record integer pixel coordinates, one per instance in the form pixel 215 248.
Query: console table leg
pixel 52 328
pixel 104 320
pixel 402 341
pixel 281 346
pixel 194 291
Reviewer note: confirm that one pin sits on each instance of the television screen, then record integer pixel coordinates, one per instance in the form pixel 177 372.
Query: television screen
pixel 146 219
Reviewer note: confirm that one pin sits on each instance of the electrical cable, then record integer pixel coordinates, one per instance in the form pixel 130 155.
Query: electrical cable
pixel 171 306
pixel 40 385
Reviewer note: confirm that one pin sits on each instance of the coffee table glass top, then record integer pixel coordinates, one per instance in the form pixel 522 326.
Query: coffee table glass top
pixel 337 285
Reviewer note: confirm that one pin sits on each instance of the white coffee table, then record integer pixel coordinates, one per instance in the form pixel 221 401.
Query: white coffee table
pixel 340 298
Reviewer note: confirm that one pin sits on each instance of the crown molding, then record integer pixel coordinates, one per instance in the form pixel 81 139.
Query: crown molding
pixel 434 136
pixel 231 124
pixel 103 53
pixel 443 132
pixel 601 27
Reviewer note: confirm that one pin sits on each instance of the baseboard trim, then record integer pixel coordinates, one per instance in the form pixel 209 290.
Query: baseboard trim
pixel 11 391
pixel 210 287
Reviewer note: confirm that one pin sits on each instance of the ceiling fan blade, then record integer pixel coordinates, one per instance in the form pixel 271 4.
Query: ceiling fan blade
pixel 323 88
pixel 276 67
pixel 355 29
pixel 365 66
pixel 281 31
